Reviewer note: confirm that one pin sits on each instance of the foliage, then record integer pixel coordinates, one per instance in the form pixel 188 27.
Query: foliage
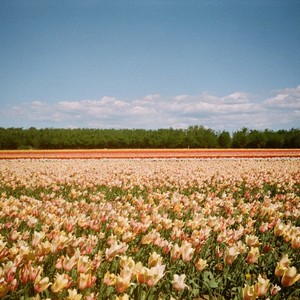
pixel 192 137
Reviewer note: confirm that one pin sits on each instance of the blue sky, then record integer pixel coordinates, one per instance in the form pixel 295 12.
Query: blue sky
pixel 150 64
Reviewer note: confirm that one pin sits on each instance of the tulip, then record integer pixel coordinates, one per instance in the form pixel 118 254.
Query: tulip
pixel 275 289
pixel 295 243
pixel 61 282
pixel 282 265
pixel 114 249
pixel 35 272
pixel 123 297
pixel 83 264
pixel 264 227
pixel 73 295
pixel 86 281
pixel 9 271
pixel 142 275
pixel 253 255
pixel 41 284
pixel 175 252
pixel 178 282
pixel 279 229
pixel 187 251
pixel 230 255
pixel 69 263
pixel 290 276
pixel 201 264
pixel 37 238
pixel 150 276
pixel 109 278
pixel 123 280
pixel 154 259
pixel 24 273
pixel 219 252
pixel 248 292
pixel 261 286
pixel 252 240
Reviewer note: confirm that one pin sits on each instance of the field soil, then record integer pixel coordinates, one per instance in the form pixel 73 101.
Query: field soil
pixel 148 153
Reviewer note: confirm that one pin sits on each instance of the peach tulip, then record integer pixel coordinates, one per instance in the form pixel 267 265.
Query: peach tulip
pixel 253 255
pixel 109 278
pixel 154 259
pixel 248 292
pixel 252 240
pixel 41 284
pixel 86 281
pixel 261 286
pixel 187 251
pixel 83 264
pixel 231 254
pixel 123 280
pixel 290 276
pixel 61 282
pixel 73 295
pixel 282 265
pixel 175 252
pixel 201 264
pixel 178 282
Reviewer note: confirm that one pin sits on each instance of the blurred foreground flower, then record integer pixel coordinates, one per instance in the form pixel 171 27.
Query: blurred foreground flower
pixel 248 292
pixel 178 282
pixel 290 276
pixel 261 286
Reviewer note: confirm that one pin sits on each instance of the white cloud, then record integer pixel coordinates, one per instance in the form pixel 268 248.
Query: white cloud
pixel 229 112
pixel 285 99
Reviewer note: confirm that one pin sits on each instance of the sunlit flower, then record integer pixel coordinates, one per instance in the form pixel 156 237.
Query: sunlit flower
pixel 69 263
pixel 83 264
pixel 274 289
pixel 109 278
pixel 122 297
pixel 282 265
pixel 279 229
pixel 231 254
pixel 41 284
pixel 122 281
pixel 150 276
pixel 37 238
pixel 290 276
pixel 252 240
pixel 115 248
pixel 73 295
pixel 253 255
pixel 261 286
pixel 295 243
pixel 178 282
pixel 154 259
pixel 61 282
pixel 248 292
pixel 201 264
pixel 86 281
pixel 187 251
pixel 175 252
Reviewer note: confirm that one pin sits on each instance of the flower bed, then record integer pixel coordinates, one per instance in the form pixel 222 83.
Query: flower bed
pixel 150 229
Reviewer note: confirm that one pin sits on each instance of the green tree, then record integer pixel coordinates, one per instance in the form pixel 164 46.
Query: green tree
pixel 240 138
pixel 224 139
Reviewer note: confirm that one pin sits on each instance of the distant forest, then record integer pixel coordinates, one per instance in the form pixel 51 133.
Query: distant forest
pixel 192 137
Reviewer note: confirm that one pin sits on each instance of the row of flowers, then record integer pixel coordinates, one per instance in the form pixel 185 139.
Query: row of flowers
pixel 150 229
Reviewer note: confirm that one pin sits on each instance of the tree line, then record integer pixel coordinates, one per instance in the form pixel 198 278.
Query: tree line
pixel 192 137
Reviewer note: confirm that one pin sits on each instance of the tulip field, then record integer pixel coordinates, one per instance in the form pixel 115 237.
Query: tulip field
pixel 150 228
